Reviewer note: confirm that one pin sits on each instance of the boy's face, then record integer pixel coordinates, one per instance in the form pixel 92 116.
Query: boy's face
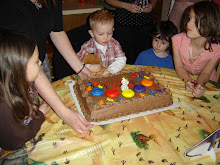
pixel 102 33
pixel 159 45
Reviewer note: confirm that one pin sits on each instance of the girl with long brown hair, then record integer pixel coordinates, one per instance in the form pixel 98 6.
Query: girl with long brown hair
pixel 21 114
pixel 42 19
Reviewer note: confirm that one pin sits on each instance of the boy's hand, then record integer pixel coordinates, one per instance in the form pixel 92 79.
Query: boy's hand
pixel 106 72
pixel 94 67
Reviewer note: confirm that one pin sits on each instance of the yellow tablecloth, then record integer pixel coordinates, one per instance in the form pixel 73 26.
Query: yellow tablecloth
pixel 174 131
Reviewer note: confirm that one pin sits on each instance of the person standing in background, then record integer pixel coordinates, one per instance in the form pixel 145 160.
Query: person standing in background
pixel 40 19
pixel 133 22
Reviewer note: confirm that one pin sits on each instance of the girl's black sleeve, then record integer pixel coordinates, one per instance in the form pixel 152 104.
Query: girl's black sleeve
pixel 13 136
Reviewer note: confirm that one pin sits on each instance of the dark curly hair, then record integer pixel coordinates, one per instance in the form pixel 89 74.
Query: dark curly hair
pixel 165 30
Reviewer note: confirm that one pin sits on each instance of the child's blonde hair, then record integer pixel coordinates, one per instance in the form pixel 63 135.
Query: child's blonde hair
pixel 100 16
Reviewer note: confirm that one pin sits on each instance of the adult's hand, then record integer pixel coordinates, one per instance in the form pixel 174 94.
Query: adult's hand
pixel 85 72
pixel 148 8
pixel 128 6
pixel 132 8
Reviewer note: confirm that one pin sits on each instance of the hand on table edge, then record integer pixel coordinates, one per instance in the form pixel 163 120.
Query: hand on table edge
pixel 71 117
pixel 198 91
pixel 76 121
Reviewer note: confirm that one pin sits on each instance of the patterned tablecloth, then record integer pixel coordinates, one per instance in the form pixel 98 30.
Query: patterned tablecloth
pixel 164 136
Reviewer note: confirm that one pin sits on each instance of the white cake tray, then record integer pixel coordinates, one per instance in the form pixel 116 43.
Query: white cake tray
pixel 71 83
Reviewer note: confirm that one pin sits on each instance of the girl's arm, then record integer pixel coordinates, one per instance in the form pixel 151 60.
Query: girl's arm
pixel 181 71
pixel 71 117
pixel 179 66
pixel 124 5
pixel 15 135
pixel 207 71
pixel 62 43
pixel 204 76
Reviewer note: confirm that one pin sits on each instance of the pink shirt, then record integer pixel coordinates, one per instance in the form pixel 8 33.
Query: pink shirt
pixel 182 43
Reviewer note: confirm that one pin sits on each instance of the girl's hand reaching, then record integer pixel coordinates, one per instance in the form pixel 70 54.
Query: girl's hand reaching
pixel 198 91
pixel 75 120
pixel 190 84
pixel 44 108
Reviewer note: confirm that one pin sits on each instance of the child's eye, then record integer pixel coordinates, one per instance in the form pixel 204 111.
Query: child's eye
pixel 100 34
pixel 110 33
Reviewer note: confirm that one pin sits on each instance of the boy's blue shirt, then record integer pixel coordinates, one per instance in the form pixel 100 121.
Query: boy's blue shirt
pixel 149 58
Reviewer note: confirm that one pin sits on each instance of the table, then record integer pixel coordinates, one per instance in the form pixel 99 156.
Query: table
pixel 175 131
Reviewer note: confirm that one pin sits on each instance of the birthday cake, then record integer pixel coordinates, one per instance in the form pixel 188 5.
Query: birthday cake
pixel 128 92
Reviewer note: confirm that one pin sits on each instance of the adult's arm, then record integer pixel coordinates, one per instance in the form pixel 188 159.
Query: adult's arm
pixel 71 117
pixel 15 135
pixel 63 45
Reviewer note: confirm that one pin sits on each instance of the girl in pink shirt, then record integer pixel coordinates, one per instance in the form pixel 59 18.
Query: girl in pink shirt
pixel 197 50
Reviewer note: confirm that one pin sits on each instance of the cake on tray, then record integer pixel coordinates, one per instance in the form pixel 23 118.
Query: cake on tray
pixel 128 92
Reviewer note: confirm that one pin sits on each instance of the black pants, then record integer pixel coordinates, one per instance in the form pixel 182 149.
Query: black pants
pixel 133 40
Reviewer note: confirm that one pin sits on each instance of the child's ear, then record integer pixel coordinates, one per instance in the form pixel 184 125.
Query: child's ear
pixel 113 29
pixel 91 33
